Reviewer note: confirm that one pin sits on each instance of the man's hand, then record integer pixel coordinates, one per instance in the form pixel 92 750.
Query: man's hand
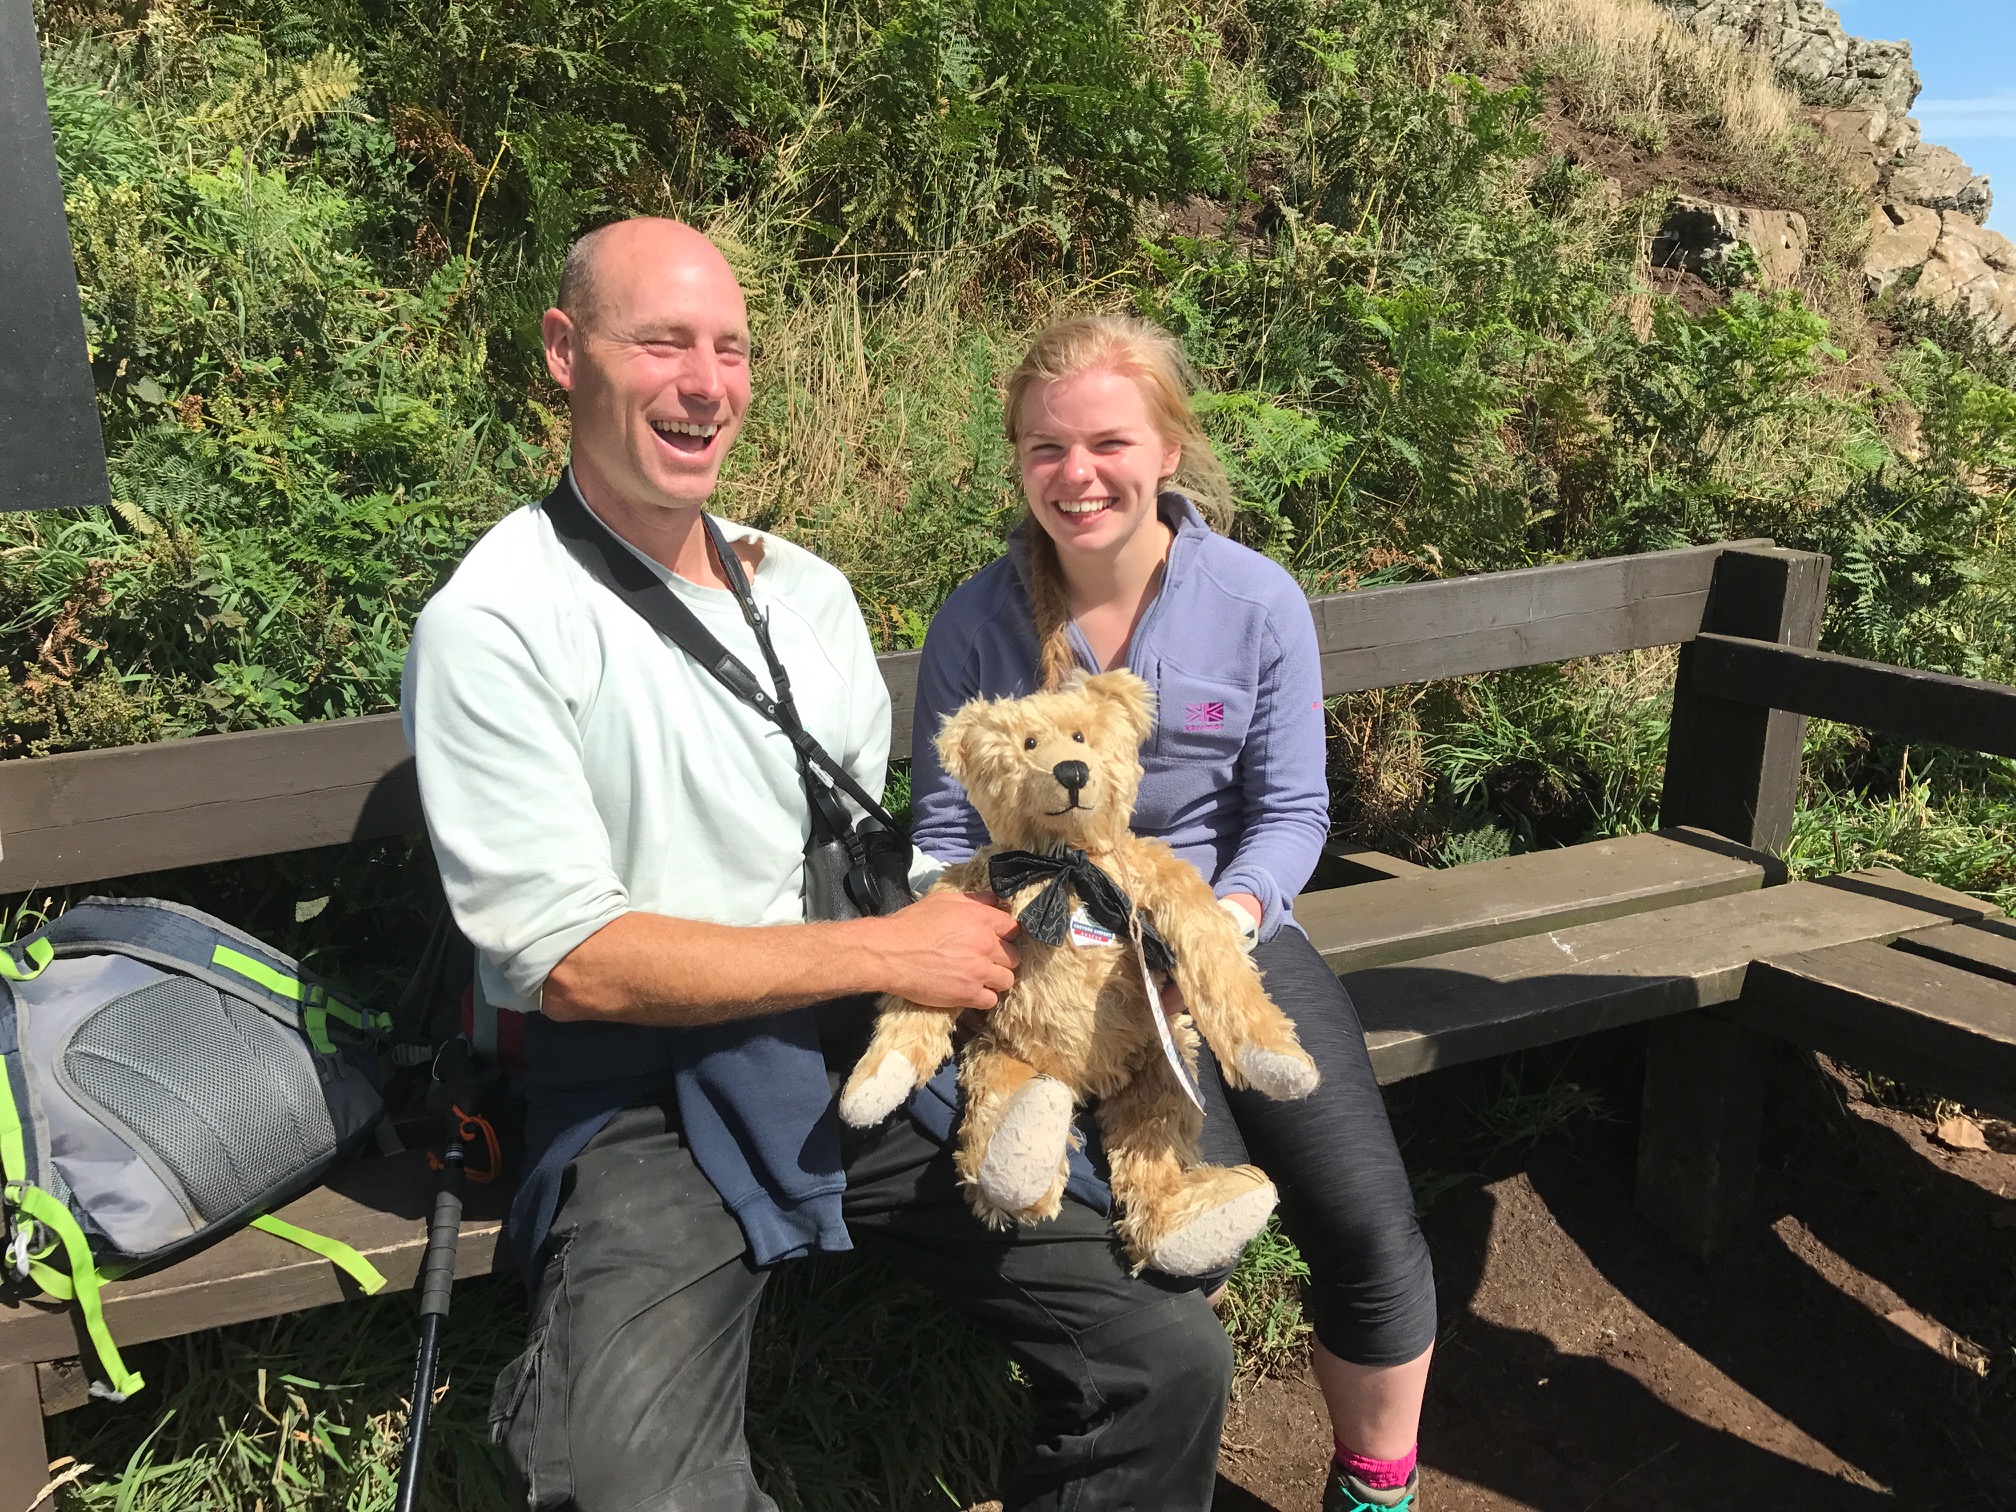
pixel 949 950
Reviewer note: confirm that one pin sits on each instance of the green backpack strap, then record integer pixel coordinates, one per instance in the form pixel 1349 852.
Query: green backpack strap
pixel 335 1251
pixel 82 1283
pixel 39 953
pixel 317 1006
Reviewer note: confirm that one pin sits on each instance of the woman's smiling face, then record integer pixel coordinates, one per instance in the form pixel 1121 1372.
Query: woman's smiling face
pixel 1092 460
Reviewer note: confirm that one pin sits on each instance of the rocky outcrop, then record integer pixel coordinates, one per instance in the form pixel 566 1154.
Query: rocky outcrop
pixel 1958 264
pixel 1809 45
pixel 1928 227
pixel 1869 85
pixel 1702 237
pixel 1972 271
pixel 1901 238
pixel 1936 178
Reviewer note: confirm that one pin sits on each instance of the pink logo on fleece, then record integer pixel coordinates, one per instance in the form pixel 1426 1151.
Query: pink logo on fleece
pixel 1203 716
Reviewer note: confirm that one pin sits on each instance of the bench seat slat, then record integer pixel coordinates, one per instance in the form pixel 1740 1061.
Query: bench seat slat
pixel 1513 995
pixel 378 1206
pixel 1986 948
pixel 1432 912
pixel 1894 1010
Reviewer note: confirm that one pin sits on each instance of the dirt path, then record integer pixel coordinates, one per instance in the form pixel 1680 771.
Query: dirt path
pixel 1855 1348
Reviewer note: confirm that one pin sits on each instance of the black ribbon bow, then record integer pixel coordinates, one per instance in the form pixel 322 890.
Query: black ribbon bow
pixel 1047 916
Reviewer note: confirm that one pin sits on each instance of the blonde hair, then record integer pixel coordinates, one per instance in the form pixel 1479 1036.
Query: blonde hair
pixel 1149 356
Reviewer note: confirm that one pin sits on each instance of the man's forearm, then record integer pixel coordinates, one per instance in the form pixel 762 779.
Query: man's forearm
pixel 645 968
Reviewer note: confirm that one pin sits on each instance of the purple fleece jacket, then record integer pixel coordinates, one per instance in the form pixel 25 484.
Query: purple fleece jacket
pixel 1233 775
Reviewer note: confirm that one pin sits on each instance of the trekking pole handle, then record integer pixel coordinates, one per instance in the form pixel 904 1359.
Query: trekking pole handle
pixel 444 1230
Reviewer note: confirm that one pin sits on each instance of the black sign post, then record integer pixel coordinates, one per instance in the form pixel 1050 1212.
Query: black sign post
pixel 52 454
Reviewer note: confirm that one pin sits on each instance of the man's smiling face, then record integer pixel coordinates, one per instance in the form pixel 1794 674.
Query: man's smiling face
pixel 655 358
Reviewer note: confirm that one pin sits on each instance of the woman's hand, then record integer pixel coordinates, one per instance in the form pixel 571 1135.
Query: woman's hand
pixel 1249 903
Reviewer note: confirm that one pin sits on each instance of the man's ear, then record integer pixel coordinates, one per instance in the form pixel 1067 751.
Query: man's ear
pixel 562 340
pixel 1128 698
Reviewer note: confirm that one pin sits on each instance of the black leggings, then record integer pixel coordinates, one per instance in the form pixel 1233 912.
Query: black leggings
pixel 1344 1194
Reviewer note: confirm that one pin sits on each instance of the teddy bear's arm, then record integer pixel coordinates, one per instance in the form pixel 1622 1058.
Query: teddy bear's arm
pixel 910 1043
pixel 1252 1038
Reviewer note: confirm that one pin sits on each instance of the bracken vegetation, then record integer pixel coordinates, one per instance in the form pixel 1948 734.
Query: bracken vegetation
pixel 313 242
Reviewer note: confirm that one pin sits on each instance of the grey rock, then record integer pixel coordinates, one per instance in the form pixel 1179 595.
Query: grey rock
pixel 1936 178
pixel 1701 236
pixel 1807 42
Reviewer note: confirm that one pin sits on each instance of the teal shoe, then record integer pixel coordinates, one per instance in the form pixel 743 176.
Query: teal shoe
pixel 1344 1492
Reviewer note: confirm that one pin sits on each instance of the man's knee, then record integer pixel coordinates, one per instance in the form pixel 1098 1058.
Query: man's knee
pixel 1199 1353
pixel 1174 1354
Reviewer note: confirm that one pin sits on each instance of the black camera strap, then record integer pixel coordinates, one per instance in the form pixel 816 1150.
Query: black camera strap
pixel 625 574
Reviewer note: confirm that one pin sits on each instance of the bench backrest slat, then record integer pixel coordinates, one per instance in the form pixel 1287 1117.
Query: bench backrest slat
pixel 89 815
pixel 1958 711
pixel 1459 627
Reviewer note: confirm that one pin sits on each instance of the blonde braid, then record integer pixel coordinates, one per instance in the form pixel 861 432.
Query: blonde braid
pixel 1055 659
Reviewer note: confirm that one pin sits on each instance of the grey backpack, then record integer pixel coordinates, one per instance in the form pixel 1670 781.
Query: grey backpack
pixel 164 1079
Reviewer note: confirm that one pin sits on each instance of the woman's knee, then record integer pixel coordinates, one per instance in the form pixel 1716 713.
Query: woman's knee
pixel 1378 1308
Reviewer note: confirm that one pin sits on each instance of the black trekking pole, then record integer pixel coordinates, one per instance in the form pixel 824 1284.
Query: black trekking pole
pixel 437 1276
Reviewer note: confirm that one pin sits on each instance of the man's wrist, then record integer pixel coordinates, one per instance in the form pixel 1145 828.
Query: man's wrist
pixel 866 955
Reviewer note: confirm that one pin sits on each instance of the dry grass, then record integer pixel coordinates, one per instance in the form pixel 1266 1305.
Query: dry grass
pixel 1627 65
pixel 875 435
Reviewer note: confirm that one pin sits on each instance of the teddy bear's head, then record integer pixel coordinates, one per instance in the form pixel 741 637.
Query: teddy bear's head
pixel 1056 768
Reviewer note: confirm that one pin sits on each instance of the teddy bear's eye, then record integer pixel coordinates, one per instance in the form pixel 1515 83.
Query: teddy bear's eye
pixel 1029 744
pixel 1079 736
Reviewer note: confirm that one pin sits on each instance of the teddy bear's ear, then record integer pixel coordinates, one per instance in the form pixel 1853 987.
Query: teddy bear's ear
pixel 956 736
pixel 1128 697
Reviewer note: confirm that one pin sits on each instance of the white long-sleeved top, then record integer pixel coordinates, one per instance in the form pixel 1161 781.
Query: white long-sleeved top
pixel 575 765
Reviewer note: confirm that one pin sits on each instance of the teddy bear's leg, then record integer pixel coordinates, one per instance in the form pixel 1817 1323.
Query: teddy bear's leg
pixel 908 1046
pixel 1182 1217
pixel 1015 1138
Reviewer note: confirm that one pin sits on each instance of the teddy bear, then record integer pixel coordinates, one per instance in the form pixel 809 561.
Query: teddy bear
pixel 1054 775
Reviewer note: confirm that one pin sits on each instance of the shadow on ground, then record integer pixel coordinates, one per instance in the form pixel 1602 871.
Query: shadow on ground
pixel 1586 1366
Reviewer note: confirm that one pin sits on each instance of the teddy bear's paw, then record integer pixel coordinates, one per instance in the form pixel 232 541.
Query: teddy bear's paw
pixel 1028 1145
pixel 1280 1075
pixel 868 1100
pixel 1212 1241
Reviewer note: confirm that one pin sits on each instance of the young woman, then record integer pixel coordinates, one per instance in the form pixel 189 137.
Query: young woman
pixel 1117 565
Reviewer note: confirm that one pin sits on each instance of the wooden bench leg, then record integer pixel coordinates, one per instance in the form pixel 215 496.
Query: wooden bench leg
pixel 1705 1082
pixel 24 1453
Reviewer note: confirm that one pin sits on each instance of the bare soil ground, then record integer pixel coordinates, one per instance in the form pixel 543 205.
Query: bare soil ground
pixel 1855 1348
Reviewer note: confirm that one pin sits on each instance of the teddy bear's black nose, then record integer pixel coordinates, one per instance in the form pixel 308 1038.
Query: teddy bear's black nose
pixel 1072 774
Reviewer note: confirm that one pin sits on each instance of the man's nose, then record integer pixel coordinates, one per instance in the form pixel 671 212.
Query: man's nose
pixel 1072 774
pixel 703 377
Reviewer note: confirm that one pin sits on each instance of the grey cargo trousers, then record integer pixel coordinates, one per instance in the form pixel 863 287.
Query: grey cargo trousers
pixel 629 1394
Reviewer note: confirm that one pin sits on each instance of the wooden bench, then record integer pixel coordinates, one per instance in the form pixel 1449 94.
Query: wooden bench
pixel 1446 966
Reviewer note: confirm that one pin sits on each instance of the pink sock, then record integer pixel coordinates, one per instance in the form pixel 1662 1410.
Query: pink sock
pixel 1380 1475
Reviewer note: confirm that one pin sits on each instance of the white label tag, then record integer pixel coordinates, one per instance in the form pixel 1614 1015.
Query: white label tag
pixel 1086 930
pixel 1173 1055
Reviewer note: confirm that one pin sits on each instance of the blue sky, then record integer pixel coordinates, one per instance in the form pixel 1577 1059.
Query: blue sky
pixel 1966 53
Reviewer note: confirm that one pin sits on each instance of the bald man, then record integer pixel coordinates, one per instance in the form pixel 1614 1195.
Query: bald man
pixel 623 841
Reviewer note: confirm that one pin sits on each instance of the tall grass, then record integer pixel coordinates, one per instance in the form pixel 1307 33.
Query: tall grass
pixel 1628 65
